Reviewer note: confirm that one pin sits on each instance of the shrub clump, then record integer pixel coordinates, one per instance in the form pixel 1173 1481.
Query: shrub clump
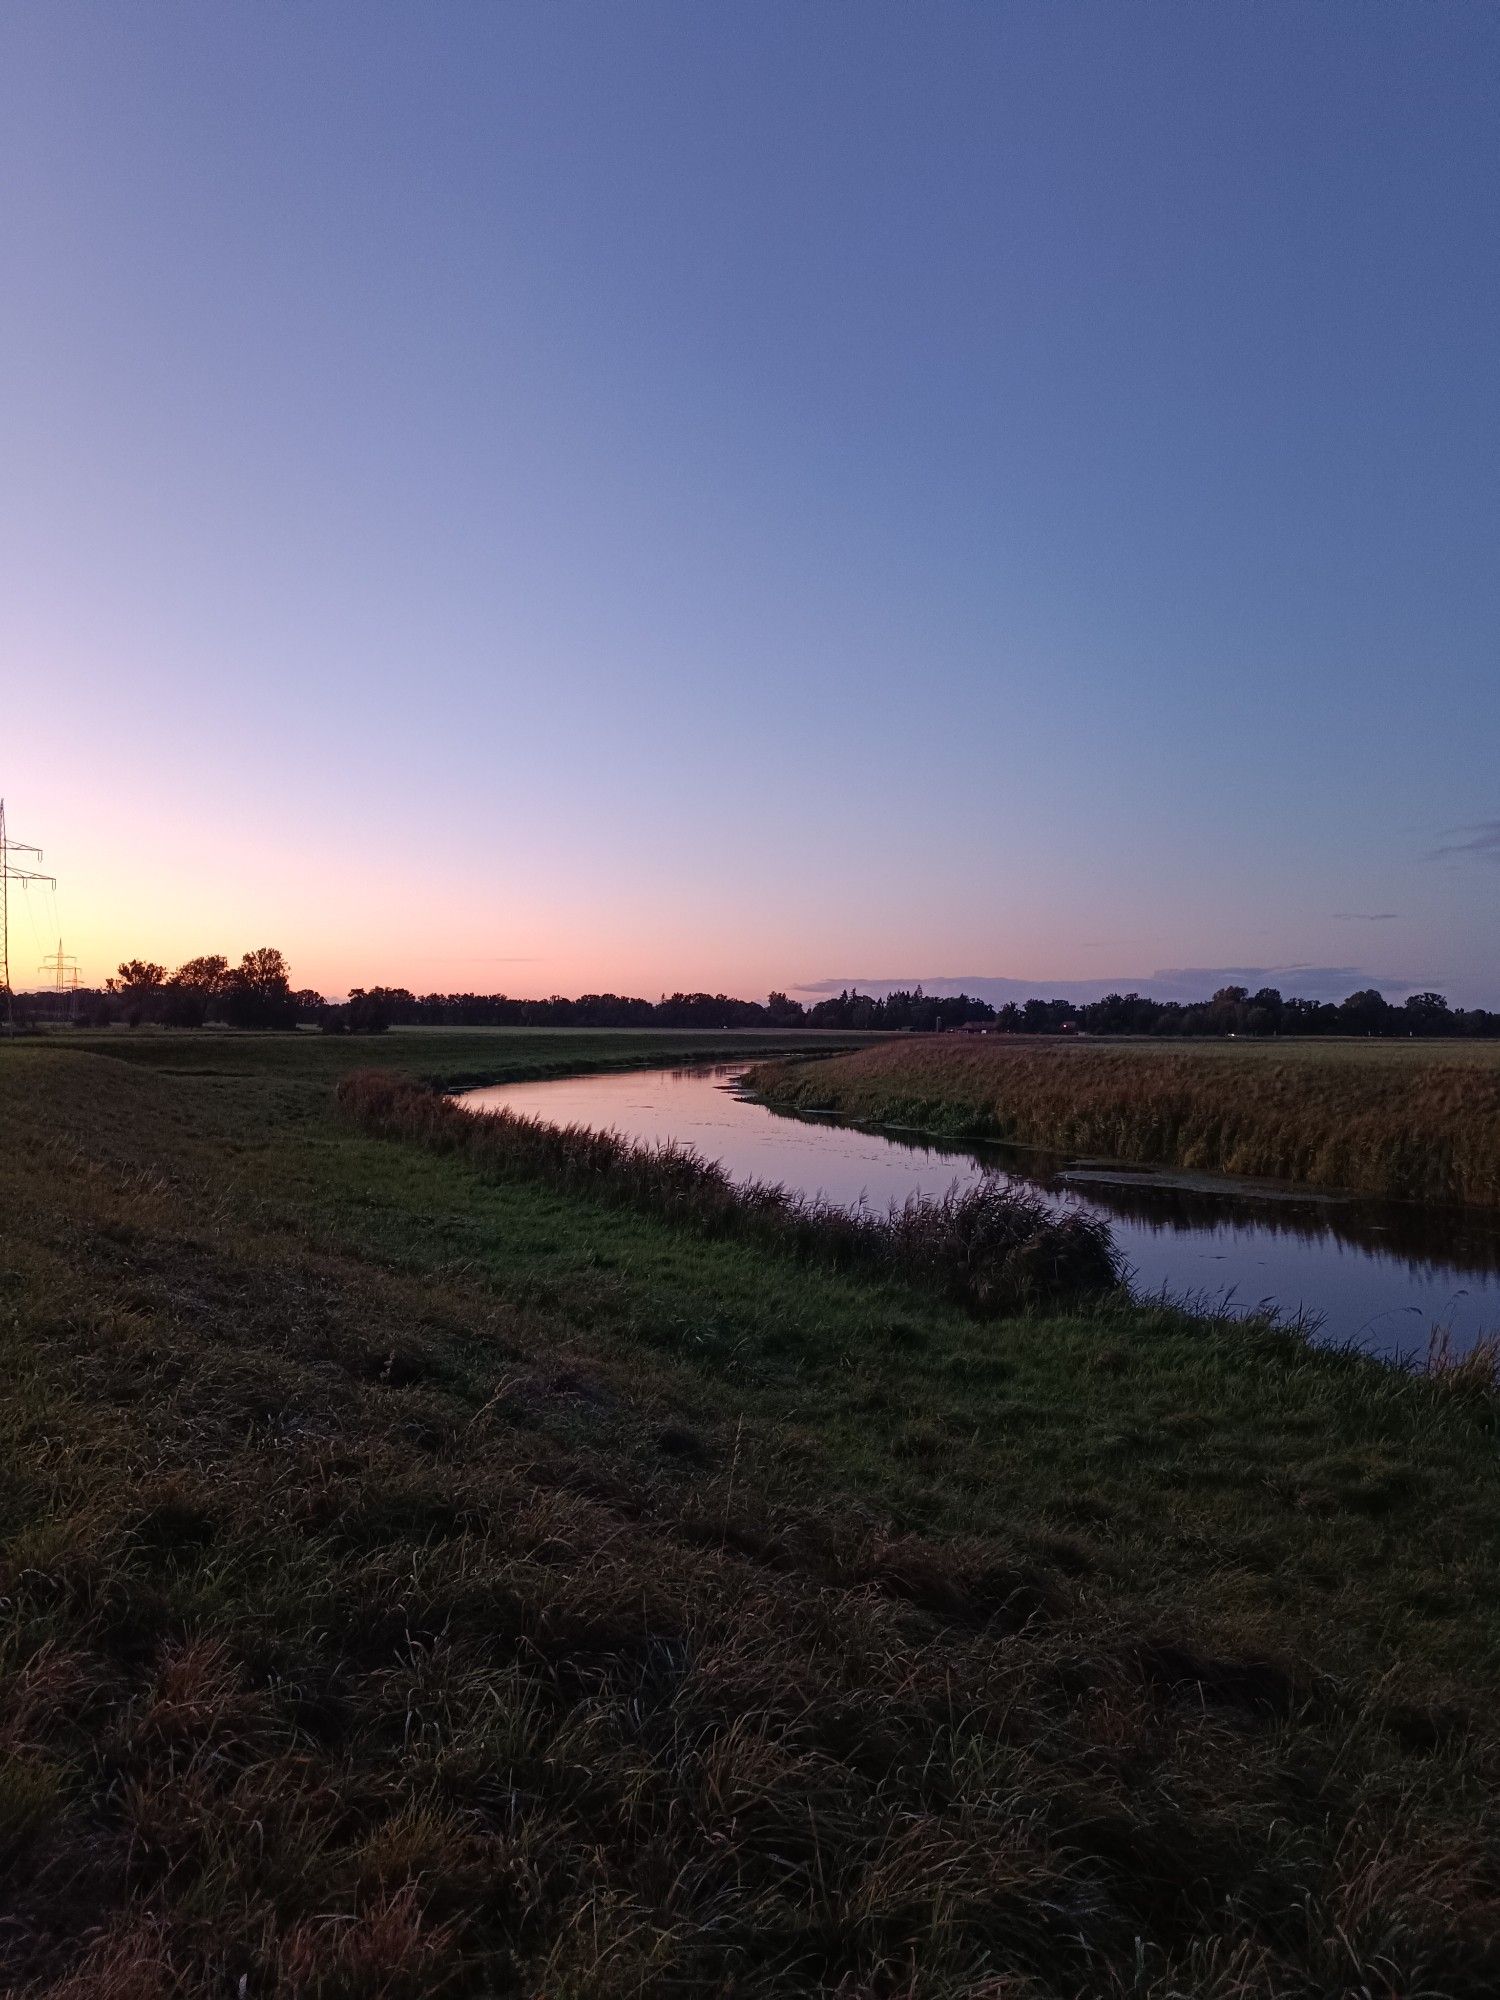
pixel 990 1247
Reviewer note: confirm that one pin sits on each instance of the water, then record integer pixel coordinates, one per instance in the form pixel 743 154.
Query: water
pixel 1381 1274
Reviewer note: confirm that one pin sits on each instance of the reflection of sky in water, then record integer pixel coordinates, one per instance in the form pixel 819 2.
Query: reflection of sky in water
pixel 1377 1273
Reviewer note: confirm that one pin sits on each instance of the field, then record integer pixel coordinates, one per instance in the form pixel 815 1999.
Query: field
pixel 422 1575
pixel 1414 1120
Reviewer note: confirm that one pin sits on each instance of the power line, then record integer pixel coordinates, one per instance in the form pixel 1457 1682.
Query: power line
pixel 29 903
pixel 9 874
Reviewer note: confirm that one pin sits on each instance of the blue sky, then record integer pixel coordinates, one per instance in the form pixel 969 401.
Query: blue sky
pixel 562 496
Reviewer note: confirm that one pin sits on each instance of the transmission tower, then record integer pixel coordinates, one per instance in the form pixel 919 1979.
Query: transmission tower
pixel 8 874
pixel 64 970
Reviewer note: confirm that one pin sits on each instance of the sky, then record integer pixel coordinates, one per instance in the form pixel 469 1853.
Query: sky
pixel 553 497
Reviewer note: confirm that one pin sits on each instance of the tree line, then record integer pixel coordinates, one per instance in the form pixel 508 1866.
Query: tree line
pixel 1233 1010
pixel 258 993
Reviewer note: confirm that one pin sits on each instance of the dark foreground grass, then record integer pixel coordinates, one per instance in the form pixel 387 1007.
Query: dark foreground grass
pixel 1410 1121
pixel 417 1582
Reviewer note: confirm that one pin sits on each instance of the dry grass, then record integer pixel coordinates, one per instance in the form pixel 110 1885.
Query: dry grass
pixel 1415 1124
pixel 1473 1368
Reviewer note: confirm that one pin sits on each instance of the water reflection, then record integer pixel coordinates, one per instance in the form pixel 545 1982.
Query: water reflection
pixel 1379 1273
pixel 1467 1239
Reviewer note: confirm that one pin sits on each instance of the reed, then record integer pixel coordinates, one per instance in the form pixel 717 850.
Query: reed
pixel 1414 1125
pixel 988 1247
pixel 1473 1369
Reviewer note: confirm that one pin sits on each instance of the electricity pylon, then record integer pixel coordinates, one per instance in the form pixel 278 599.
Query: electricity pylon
pixel 64 970
pixel 9 874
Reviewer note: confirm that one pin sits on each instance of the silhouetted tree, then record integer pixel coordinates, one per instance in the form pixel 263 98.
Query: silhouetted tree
pixel 258 993
pixel 370 1013
pixel 1427 1014
pixel 1365 1013
pixel 136 975
pixel 138 981
pixel 192 989
pixel 205 975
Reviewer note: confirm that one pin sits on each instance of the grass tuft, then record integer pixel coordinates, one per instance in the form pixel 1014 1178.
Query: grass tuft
pixel 1470 1370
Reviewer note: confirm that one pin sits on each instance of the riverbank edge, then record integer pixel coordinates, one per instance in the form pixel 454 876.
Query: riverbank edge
pixel 1177 1133
pixel 990 1249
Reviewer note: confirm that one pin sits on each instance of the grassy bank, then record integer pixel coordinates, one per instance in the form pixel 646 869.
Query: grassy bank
pixel 1414 1121
pixel 989 1248
pixel 451 1058
pixel 419 1579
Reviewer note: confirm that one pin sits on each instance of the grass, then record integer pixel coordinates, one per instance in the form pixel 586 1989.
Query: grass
pixel 425 1579
pixel 448 1057
pixel 990 1247
pixel 1413 1121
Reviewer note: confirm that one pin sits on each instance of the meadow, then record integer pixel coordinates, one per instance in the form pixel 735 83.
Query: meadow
pixel 424 1572
pixel 1410 1120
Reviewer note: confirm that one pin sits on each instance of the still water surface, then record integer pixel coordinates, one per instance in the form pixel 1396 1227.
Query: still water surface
pixel 1381 1274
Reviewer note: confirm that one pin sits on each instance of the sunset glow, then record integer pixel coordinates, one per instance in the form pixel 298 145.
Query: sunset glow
pixel 648 531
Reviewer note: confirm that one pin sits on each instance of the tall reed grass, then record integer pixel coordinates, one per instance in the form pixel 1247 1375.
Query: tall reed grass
pixel 991 1248
pixel 1387 1122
